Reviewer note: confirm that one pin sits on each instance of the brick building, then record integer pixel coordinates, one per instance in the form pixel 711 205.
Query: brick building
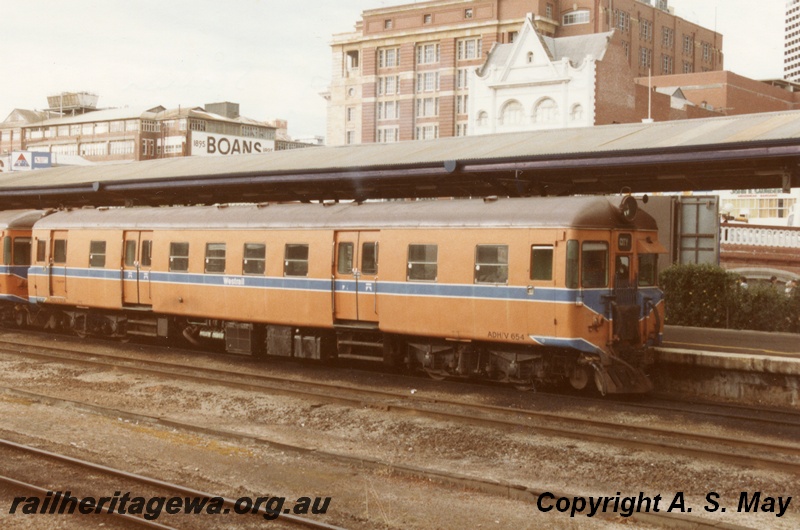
pixel 73 127
pixel 403 73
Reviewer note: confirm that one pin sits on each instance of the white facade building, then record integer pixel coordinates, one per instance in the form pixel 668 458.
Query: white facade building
pixel 536 82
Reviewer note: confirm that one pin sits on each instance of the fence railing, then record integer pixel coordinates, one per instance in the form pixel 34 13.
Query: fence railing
pixel 759 236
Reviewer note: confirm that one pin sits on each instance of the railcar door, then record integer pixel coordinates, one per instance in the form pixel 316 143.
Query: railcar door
pixel 355 274
pixel 136 265
pixel 57 270
pixel 542 292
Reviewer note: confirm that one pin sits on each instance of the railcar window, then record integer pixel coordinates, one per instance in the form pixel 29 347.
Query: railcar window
pixel 60 251
pixel 369 257
pixel 491 264
pixel 572 264
pixel 7 250
pixel 648 269
pixel 146 259
pixel 344 264
pixel 422 262
pixel 295 260
pixel 542 262
pixel 41 251
pixel 255 256
pixel 22 251
pixel 97 254
pixel 215 258
pixel 594 258
pixel 130 252
pixel 178 257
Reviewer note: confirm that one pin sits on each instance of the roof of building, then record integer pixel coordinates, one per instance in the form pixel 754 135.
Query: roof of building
pixel 561 212
pixel 729 152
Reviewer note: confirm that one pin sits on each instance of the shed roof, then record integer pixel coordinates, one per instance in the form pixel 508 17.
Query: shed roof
pixel 755 150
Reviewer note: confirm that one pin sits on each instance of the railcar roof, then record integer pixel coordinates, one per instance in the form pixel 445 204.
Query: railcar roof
pixel 577 212
pixel 19 218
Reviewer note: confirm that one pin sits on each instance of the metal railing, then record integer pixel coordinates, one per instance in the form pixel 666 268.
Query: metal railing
pixel 759 236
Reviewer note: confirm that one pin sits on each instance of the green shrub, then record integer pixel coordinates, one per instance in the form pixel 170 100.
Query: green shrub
pixel 708 296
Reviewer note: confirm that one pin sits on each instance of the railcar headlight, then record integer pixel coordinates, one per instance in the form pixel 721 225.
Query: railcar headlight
pixel 628 208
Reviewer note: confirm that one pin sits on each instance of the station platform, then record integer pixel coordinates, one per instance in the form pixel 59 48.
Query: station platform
pixel 746 367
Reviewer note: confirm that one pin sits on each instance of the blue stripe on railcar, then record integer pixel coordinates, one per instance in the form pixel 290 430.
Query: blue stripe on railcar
pixel 593 299
pixel 21 271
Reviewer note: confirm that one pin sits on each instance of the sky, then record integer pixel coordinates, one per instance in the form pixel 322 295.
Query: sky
pixel 273 57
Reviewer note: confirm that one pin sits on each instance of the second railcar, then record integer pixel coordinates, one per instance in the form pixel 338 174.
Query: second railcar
pixel 513 290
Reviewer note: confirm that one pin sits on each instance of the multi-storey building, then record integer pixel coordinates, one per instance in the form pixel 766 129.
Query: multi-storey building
pixel 791 43
pixel 72 126
pixel 403 73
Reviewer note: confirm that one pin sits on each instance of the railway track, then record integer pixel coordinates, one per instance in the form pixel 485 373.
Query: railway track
pixel 93 476
pixel 779 456
pixel 473 483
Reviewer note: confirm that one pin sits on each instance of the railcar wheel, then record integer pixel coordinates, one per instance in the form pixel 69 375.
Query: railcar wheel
pixel 435 375
pixel 579 377
pixel 21 319
pixel 525 387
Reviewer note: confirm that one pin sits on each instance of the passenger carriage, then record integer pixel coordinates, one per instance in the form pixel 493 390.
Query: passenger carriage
pixel 513 290
pixel 15 233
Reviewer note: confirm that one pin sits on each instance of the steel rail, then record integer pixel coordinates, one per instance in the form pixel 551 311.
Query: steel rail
pixel 646 438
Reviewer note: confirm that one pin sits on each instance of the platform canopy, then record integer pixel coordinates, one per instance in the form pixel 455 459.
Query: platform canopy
pixel 736 152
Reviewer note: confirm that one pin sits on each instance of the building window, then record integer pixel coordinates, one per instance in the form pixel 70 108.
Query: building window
pixel 483 119
pixel 548 11
pixel 388 135
pixel 462 104
pixel 467 49
pixel 667 37
pixel 427 107
pixel 197 125
pixel 428 82
pixel 351 63
pixel 622 20
pixel 350 137
pixel 468 13
pixel 427 19
pixel 688 45
pixel 428 53
pixel 388 85
pixel 666 64
pixel 427 132
pixel 388 57
pixel 688 68
pixel 576 114
pixel 576 17
pixel 513 36
pixel 512 113
pixel 350 112
pixel 627 48
pixel 388 110
pixel 387 24
pixel 706 51
pixel 546 111
pixel 462 129
pixel 462 78
pixel 645 57
pixel 422 262
pixel 646 30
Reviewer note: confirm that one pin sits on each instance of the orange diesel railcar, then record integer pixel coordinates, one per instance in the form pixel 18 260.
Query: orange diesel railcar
pixel 15 232
pixel 513 290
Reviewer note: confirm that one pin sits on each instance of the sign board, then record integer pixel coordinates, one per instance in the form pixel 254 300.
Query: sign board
pixel 28 160
pixel 208 144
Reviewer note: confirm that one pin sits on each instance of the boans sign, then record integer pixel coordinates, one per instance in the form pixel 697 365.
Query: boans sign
pixel 207 144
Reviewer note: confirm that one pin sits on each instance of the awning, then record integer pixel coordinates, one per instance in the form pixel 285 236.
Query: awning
pixel 650 247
